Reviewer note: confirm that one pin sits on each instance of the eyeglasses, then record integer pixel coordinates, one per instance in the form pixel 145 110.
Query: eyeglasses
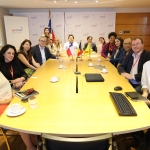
pixel 126 43
pixel 42 41
pixel 137 44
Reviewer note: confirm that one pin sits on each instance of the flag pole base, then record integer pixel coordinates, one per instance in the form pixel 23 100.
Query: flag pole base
pixel 72 59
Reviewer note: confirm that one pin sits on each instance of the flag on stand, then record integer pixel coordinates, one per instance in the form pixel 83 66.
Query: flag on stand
pixel 88 50
pixel 70 50
pixel 50 27
pixel 80 51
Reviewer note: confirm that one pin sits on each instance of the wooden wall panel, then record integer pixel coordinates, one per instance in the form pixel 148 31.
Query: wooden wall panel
pixel 134 29
pixel 133 18
pixel 137 23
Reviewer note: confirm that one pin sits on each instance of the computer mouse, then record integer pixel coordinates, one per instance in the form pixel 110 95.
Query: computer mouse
pixel 118 88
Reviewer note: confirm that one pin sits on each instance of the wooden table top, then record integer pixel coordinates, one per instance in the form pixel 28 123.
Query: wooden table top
pixel 62 111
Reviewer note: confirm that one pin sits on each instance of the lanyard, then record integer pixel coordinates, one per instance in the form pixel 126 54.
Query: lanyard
pixel 11 71
pixel 137 60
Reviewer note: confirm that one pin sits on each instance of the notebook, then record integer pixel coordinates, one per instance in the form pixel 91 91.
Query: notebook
pixel 93 77
pixel 135 96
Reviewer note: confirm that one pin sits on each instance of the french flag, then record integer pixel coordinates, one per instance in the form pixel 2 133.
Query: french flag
pixel 70 50
pixel 51 30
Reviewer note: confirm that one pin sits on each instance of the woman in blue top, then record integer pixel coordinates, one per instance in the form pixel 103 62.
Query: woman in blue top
pixel 116 55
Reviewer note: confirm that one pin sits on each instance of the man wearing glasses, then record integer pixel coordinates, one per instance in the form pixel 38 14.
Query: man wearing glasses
pixel 131 68
pixel 40 52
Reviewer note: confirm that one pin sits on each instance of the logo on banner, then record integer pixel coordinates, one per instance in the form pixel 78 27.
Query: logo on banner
pixel 42 26
pixel 69 17
pixel 35 34
pixel 85 34
pixel 110 25
pixel 94 25
pixel 86 17
pixel 78 25
pixel 102 33
pixel 33 17
pixel 102 16
pixel 58 25
pixel 19 30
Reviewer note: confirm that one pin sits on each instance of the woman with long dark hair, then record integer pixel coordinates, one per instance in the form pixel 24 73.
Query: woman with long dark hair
pixel 117 53
pixel 26 59
pixel 10 66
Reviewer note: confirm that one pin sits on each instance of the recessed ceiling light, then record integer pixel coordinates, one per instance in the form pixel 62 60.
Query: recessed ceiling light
pixel 75 2
pixel 54 1
pixel 96 1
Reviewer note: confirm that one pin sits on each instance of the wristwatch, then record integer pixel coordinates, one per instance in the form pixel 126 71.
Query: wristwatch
pixel 10 81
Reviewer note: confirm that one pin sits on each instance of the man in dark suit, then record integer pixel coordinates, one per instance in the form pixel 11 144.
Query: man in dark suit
pixel 132 66
pixel 40 52
pixel 89 41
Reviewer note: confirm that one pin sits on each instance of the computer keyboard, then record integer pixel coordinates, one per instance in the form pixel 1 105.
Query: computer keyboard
pixel 122 104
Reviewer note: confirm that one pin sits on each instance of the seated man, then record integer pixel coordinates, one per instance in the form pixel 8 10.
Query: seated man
pixel 132 66
pixel 71 41
pixel 89 41
pixel 40 52
pixel 127 48
pixel 145 81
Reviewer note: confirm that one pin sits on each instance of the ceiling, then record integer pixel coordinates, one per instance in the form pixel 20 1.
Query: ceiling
pixel 72 4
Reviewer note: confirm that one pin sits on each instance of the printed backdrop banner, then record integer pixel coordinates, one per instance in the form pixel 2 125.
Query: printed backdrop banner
pixel 38 21
pixel 16 29
pixel 84 24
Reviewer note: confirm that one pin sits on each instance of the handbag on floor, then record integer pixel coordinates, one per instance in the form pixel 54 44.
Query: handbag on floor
pixel 137 140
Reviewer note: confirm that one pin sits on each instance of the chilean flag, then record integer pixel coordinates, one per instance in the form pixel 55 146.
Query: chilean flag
pixel 70 50
pixel 51 30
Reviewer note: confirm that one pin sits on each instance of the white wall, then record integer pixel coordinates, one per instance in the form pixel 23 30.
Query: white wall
pixel 3 12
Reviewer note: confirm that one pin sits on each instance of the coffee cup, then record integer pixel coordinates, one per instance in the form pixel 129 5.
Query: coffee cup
pixel 99 59
pixel 90 64
pixel 15 108
pixel 104 70
pixel 60 66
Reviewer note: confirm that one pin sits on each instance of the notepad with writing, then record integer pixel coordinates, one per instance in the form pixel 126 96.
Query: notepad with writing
pixel 26 93
pixel 94 77
pixel 135 96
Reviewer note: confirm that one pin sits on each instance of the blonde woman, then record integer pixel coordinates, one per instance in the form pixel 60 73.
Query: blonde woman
pixel 57 47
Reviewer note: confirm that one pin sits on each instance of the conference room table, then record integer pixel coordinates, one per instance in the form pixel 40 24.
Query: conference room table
pixel 63 111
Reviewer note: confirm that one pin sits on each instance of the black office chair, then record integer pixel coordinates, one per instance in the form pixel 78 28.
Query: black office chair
pixel 99 142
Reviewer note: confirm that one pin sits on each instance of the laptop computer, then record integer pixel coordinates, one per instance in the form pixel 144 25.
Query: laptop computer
pixel 94 77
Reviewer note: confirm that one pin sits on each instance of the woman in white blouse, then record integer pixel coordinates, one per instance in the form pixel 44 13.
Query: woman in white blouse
pixel 57 47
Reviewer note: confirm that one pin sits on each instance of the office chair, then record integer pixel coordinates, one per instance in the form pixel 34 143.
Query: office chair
pixel 5 133
pixel 101 137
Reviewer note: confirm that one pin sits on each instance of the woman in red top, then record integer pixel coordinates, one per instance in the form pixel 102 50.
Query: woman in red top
pixel 109 47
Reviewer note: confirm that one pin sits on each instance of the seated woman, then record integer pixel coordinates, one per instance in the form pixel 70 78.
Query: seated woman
pixel 5 93
pixel 10 67
pixel 100 46
pixel 108 48
pixel 5 98
pixel 57 47
pixel 46 32
pixel 116 55
pixel 26 59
